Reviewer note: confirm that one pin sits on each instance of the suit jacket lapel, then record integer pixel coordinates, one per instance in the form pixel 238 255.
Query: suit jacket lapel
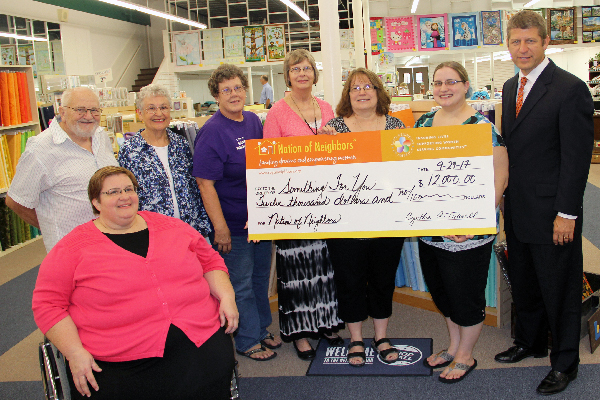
pixel 536 93
pixel 511 100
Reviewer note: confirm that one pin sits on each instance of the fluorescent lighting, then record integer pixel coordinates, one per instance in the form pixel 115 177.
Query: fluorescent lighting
pixel 294 7
pixel 154 12
pixel 414 6
pixel 12 35
pixel 412 61
pixel 532 2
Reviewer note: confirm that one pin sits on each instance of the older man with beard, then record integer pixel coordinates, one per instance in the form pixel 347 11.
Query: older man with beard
pixel 49 190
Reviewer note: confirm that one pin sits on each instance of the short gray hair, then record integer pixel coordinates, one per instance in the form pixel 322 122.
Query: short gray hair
pixel 67 94
pixel 152 90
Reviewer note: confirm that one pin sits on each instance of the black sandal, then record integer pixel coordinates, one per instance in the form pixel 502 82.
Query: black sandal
pixel 384 353
pixel 261 349
pixel 361 354
pixel 334 339
pixel 270 346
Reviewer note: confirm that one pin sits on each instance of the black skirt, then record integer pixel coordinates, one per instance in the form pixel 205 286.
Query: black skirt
pixel 184 372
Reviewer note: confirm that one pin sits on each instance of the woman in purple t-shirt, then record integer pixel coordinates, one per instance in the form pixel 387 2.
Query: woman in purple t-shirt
pixel 220 170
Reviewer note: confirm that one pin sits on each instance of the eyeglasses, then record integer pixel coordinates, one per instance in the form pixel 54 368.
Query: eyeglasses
pixel 366 88
pixel 448 82
pixel 83 111
pixel 227 91
pixel 154 110
pixel 297 70
pixel 115 192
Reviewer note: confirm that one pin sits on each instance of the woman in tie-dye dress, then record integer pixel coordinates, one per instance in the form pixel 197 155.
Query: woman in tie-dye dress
pixel 306 291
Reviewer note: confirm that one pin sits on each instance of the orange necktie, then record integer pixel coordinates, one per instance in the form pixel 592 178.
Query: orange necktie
pixel 520 95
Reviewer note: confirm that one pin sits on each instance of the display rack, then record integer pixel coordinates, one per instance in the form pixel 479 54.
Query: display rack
pixel 594 74
pixel 33 125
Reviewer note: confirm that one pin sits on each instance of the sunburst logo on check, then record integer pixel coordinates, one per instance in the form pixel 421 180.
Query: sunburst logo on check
pixel 402 144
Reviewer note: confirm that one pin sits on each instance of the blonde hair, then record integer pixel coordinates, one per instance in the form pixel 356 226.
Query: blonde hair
pixel 296 57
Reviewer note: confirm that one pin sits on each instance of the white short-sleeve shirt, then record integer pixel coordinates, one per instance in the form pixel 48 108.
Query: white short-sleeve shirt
pixel 52 177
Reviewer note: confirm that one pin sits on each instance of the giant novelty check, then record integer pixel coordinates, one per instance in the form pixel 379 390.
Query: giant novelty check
pixel 404 182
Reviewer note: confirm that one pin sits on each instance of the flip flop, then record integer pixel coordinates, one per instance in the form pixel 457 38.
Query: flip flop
pixel 270 346
pixel 442 354
pixel 259 350
pixel 460 366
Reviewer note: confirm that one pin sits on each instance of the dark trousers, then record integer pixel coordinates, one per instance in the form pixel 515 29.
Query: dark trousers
pixel 364 274
pixel 546 284
pixel 185 372
pixel 457 281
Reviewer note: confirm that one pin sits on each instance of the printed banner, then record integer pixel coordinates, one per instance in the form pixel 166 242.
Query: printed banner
pixel 433 35
pixel 464 30
pixel 254 43
pixel 491 27
pixel 233 39
pixel 275 35
pixel 212 41
pixel 377 35
pixel 186 48
pixel 399 34
pixel 402 182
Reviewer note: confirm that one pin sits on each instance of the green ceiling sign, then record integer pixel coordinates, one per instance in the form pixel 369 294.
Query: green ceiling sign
pixel 103 9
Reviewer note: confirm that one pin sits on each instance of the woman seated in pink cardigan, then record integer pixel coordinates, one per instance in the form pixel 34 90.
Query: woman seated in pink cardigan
pixel 305 287
pixel 139 303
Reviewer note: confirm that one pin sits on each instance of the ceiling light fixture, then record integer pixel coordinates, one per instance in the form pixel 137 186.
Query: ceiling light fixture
pixel 413 9
pixel 154 12
pixel 414 60
pixel 532 2
pixel 21 37
pixel 294 7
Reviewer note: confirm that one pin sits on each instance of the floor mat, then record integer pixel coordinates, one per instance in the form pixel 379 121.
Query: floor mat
pixel 332 361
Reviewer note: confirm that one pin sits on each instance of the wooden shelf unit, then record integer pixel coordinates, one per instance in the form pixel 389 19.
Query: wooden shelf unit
pixel 33 125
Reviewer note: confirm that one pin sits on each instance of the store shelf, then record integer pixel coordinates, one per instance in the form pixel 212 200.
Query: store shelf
pixel 32 125
pixel 19 246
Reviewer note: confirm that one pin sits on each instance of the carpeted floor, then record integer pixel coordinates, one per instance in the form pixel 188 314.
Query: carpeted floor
pixel 283 377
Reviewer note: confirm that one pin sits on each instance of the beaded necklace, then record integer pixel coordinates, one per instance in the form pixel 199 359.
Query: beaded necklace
pixel 314 110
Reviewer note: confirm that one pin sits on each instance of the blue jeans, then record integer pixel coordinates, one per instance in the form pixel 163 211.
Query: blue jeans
pixel 249 267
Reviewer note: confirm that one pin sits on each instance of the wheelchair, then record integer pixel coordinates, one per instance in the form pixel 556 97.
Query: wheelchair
pixel 54 374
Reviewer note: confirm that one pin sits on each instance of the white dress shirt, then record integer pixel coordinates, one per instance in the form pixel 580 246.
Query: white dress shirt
pixel 52 177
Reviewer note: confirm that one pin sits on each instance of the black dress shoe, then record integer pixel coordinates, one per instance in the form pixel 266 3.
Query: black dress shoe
pixel 556 382
pixel 516 354
pixel 306 354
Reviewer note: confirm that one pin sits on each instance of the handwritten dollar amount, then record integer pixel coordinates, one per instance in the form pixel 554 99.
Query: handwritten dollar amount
pixel 442 180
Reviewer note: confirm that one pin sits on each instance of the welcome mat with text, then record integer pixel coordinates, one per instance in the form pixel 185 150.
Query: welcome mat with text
pixel 331 360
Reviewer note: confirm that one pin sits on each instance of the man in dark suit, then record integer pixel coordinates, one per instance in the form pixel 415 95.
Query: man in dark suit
pixel 547 125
